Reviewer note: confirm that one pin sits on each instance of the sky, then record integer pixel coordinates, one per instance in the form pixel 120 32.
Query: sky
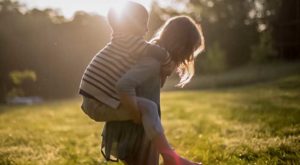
pixel 69 7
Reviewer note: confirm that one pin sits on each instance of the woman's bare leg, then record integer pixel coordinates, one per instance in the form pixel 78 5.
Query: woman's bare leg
pixel 169 156
pixel 150 115
pixel 151 124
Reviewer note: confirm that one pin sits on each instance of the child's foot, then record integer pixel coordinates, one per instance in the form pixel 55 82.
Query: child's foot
pixel 174 159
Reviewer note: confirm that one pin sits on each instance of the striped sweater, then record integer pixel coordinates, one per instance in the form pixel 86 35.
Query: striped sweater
pixel 109 65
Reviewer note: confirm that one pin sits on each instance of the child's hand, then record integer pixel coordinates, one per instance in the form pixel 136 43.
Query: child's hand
pixel 129 103
pixel 137 117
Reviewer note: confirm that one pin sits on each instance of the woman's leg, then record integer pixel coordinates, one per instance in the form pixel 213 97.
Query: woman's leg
pixel 154 131
pixel 150 117
pixel 151 123
pixel 149 111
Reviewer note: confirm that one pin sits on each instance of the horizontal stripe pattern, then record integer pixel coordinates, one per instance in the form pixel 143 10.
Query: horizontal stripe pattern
pixel 109 65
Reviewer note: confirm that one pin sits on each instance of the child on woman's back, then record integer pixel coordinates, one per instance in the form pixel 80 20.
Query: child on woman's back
pixel 108 95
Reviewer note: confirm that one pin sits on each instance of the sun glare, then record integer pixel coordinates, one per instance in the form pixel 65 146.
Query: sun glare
pixel 119 7
pixel 94 6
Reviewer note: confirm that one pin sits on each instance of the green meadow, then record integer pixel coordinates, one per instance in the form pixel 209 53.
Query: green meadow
pixel 249 124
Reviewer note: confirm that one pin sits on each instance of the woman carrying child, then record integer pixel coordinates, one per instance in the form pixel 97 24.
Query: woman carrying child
pixel 111 80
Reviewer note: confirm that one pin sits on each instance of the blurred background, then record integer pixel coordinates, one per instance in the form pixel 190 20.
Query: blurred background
pixel 46 45
pixel 247 110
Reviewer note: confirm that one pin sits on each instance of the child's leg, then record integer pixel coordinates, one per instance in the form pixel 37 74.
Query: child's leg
pixel 149 111
pixel 151 123
pixel 101 112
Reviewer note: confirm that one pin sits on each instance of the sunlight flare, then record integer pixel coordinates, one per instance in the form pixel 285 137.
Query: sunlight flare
pixel 94 6
pixel 119 7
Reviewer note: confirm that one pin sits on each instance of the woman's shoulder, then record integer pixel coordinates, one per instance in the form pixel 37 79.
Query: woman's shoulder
pixel 157 52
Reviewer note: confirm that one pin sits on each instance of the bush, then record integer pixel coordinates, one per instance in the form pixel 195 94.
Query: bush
pixel 263 50
pixel 214 60
pixel 22 81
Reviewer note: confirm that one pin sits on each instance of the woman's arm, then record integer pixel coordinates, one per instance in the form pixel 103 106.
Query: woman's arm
pixel 146 67
pixel 165 72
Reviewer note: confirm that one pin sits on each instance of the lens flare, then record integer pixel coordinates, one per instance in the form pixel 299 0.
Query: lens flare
pixel 119 7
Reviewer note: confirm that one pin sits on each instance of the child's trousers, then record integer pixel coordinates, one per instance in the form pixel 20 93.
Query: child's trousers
pixel 102 113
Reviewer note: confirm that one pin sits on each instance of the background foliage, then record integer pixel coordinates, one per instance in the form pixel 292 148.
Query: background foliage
pixel 57 50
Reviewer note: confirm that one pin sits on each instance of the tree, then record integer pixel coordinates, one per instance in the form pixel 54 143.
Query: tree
pixel 55 49
pixel 226 22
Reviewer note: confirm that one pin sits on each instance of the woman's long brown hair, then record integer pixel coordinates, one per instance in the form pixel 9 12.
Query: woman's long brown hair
pixel 182 37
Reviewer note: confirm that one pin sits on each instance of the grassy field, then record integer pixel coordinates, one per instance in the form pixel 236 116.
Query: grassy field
pixel 253 124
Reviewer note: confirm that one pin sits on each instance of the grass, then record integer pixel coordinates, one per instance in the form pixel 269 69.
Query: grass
pixel 244 75
pixel 253 124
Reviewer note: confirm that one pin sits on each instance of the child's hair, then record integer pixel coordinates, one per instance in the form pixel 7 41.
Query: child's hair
pixel 131 18
pixel 182 37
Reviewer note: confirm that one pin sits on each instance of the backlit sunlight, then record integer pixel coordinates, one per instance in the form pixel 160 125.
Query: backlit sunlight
pixel 68 8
